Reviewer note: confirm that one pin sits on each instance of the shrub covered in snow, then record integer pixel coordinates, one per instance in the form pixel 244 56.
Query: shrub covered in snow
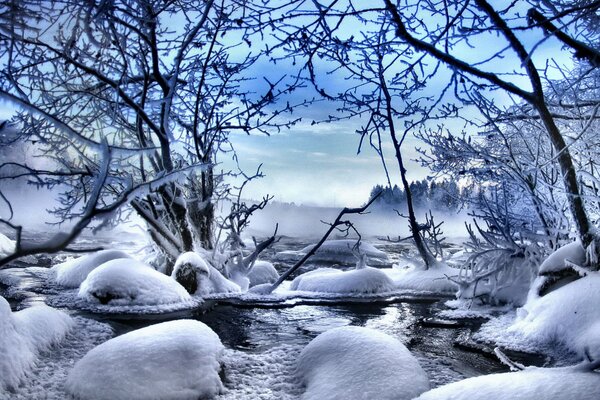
pixel 199 277
pixel 72 272
pixel 359 363
pixel 262 272
pixel 530 384
pixel 7 246
pixel 569 315
pixel 339 251
pixel 130 282
pixel 175 360
pixel 23 334
pixel 357 281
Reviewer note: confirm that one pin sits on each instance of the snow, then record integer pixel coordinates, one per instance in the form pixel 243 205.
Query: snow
pixel 23 334
pixel 171 360
pixel 573 252
pixel 569 316
pixel 338 251
pixel 130 282
pixel 415 278
pixel 530 384
pixel 72 272
pixel 359 363
pixel 210 280
pixel 262 272
pixel 7 246
pixel 356 281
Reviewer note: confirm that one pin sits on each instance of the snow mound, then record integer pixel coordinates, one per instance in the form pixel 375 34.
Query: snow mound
pixel 359 363
pixel 208 279
pixel 569 315
pixel 171 360
pixel 130 282
pixel 262 272
pixel 72 272
pixel 23 334
pixel 338 251
pixel 330 280
pixel 7 246
pixel 530 384
pixel 573 252
pixel 432 280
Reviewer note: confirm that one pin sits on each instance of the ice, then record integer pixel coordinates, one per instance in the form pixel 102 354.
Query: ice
pixel 356 281
pixel 573 252
pixel 209 279
pixel 176 360
pixel 262 272
pixel 359 363
pixel 72 272
pixel 129 282
pixel 23 335
pixel 7 246
pixel 530 384
pixel 433 280
pixel 339 251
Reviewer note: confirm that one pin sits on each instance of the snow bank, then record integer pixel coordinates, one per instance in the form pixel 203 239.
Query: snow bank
pixel 530 384
pixel 130 282
pixel 338 251
pixel 569 315
pixel 573 252
pixel 72 272
pixel 171 360
pixel 432 280
pixel 262 272
pixel 359 363
pixel 208 279
pixel 330 280
pixel 7 246
pixel 23 334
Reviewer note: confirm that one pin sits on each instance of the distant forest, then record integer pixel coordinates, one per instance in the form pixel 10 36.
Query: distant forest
pixel 443 196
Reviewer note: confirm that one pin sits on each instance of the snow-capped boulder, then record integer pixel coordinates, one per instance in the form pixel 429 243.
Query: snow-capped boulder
pixel 359 363
pixel 357 281
pixel 7 246
pixel 530 384
pixel 23 334
pixel 339 251
pixel 262 272
pixel 558 269
pixel 72 272
pixel 191 270
pixel 569 315
pixel 555 262
pixel 130 282
pixel 432 280
pixel 175 360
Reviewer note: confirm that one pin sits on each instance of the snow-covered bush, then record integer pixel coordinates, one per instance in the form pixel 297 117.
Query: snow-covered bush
pixel 356 281
pixel 569 315
pixel 262 272
pixel 176 360
pixel 7 246
pixel 438 278
pixel 72 272
pixel 339 251
pixel 359 363
pixel 199 277
pixel 23 334
pixel 130 282
pixel 530 384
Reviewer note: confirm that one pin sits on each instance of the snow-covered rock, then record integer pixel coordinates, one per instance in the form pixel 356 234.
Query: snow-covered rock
pixel 130 282
pixel 432 280
pixel 573 252
pixel 262 272
pixel 569 315
pixel 174 360
pixel 23 334
pixel 7 246
pixel 72 272
pixel 208 279
pixel 357 281
pixel 339 251
pixel 359 363
pixel 530 384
